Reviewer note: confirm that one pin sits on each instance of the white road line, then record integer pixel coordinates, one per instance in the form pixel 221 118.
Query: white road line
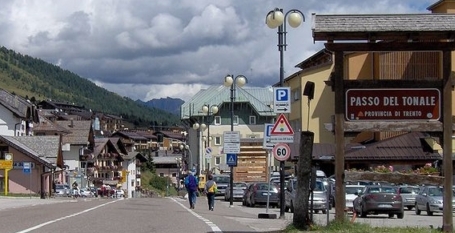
pixel 212 225
pixel 63 218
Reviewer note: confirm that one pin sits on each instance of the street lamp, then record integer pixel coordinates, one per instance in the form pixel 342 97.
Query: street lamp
pixel 209 110
pixel 199 128
pixel 230 81
pixel 178 162
pixel 274 19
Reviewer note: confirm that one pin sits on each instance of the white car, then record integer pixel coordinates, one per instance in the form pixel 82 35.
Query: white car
pixel 119 193
pixel 85 192
pixel 352 192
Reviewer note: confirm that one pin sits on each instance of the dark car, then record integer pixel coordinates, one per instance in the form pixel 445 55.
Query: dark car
pixel 260 192
pixel 377 199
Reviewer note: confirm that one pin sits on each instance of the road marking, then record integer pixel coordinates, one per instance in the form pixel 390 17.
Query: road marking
pixel 63 218
pixel 215 228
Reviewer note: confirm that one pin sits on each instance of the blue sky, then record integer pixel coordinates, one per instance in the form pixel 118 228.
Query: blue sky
pixel 166 48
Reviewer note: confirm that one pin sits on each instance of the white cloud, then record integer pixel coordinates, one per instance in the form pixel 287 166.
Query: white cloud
pixel 151 49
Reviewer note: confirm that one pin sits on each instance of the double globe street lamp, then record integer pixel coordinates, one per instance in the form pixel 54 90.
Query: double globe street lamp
pixel 233 82
pixel 274 19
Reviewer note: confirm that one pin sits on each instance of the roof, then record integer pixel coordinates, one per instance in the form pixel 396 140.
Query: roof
pixel 45 125
pixel 166 159
pixel 383 26
pixel 408 146
pixel 80 131
pixel 19 106
pixel 44 149
pixel 260 99
pixel 129 134
pixel 170 134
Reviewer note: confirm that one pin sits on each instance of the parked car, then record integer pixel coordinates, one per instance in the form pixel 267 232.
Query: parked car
pixel 85 192
pixel 378 199
pixel 259 193
pixel 238 189
pixel 352 192
pixel 63 190
pixel 222 181
pixel 119 193
pixel 408 193
pixel 319 196
pixel 430 199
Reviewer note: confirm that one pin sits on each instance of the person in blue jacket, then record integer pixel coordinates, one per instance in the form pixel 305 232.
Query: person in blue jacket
pixel 191 185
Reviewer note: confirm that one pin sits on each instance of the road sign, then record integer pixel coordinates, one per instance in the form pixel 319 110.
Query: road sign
pixel 231 142
pixel 282 127
pixel 27 168
pixel 267 144
pixel 281 152
pixel 281 100
pixel 393 104
pixel 208 152
pixel 6 164
pixel 231 160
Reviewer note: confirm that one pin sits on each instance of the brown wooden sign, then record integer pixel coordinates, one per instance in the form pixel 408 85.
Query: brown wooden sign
pixel 393 104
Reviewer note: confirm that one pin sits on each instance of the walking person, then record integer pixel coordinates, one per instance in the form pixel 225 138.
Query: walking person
pixel 210 189
pixel 191 185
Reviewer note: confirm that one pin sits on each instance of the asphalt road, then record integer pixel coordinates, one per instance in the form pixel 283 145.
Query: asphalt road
pixel 164 215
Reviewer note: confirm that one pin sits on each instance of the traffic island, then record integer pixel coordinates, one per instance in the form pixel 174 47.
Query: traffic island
pixel 267 216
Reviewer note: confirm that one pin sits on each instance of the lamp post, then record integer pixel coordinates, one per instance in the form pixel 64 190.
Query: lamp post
pixel 199 128
pixel 230 81
pixel 274 19
pixel 209 110
pixel 178 162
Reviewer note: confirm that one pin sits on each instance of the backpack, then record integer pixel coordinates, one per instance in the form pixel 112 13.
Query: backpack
pixel 212 188
pixel 192 185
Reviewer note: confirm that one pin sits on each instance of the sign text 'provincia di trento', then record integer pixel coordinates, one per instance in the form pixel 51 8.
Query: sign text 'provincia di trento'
pixel 393 104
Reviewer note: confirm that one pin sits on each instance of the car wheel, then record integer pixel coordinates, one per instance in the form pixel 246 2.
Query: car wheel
pixel 417 211
pixel 400 215
pixel 324 211
pixel 363 214
pixel 390 215
pixel 316 211
pixel 292 207
pixel 429 212
pixel 287 208
pixel 410 207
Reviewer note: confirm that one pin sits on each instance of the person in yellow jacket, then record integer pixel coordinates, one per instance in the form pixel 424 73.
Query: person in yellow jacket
pixel 210 190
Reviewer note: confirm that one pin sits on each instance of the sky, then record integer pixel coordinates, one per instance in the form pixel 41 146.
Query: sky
pixel 151 49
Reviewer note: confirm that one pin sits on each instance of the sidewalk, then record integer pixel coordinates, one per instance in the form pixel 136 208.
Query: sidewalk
pixel 8 202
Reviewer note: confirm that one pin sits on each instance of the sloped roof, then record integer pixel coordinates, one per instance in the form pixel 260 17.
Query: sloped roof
pixel 18 106
pixel 99 145
pixel 259 98
pixel 170 134
pixel 129 134
pixel 410 146
pixel 45 125
pixel 44 149
pixel 383 26
pixel 80 131
pixel 172 159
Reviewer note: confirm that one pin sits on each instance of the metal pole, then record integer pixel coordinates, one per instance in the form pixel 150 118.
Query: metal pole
pixel 281 48
pixel 231 177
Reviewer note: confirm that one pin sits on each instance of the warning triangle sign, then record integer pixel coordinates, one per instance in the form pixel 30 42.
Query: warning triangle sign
pixel 231 159
pixel 282 127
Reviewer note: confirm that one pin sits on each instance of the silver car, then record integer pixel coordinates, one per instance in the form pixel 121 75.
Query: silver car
pixel 238 189
pixel 430 199
pixel 408 193
pixel 319 196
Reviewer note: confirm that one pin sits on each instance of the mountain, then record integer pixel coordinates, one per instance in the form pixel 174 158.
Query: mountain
pixel 171 105
pixel 38 80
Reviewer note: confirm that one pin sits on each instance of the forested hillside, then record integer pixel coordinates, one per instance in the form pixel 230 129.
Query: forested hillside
pixel 34 78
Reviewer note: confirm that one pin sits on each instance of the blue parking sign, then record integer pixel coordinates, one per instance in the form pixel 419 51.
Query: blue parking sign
pixel 282 100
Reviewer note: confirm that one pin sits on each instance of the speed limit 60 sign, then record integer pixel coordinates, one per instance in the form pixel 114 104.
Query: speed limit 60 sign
pixel 281 152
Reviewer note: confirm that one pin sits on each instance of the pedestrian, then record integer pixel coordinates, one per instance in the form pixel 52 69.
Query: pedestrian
pixel 191 185
pixel 210 190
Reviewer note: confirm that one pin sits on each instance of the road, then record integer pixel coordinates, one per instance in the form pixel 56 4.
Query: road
pixel 164 215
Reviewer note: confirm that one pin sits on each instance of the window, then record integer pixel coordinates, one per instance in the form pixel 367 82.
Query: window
pixel 174 174
pixel 252 120
pixel 161 174
pixel 217 120
pixel 217 160
pixel 217 140
pixel 236 120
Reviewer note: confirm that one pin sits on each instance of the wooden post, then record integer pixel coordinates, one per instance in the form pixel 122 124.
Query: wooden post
pixel 447 225
pixel 340 195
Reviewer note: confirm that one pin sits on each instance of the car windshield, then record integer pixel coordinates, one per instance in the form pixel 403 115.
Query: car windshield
pixel 383 190
pixel 353 190
pixel 240 185
pixel 435 192
pixel 265 186
pixel 318 187
pixel 409 190
pixel 221 179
